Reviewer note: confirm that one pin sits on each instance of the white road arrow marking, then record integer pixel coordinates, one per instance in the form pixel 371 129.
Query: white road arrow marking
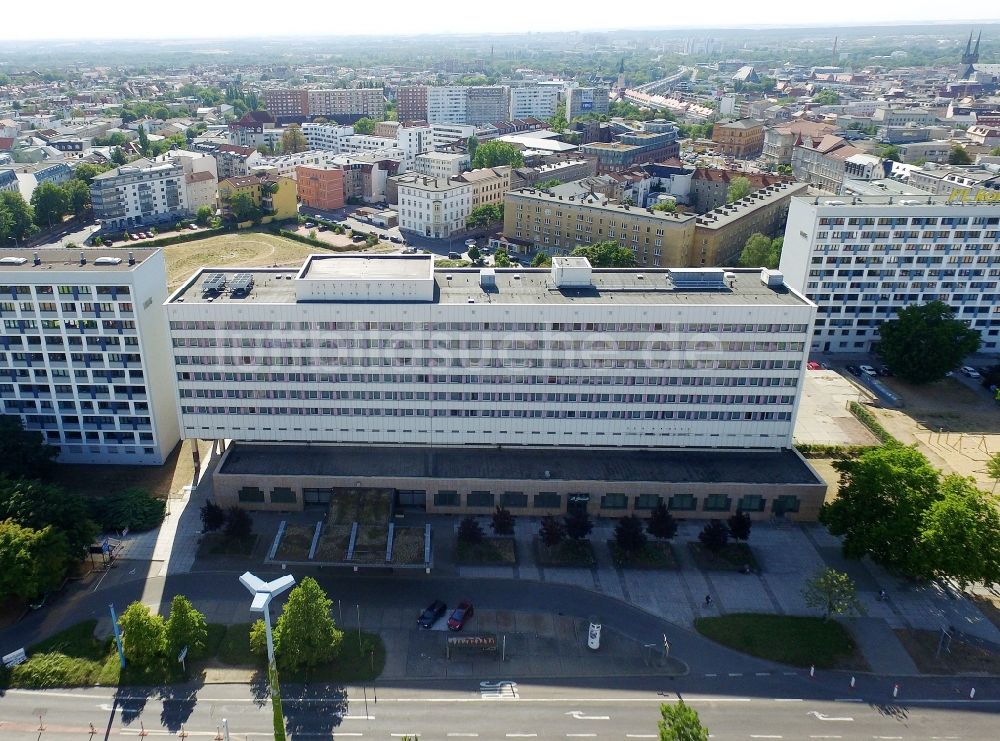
pixel 578 714
pixel 820 716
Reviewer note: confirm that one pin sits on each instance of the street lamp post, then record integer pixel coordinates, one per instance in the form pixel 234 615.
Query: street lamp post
pixel 263 592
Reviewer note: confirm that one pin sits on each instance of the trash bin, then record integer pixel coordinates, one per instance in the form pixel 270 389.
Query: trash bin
pixel 594 634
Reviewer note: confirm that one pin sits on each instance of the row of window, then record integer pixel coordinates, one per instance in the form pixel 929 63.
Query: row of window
pixel 90 342
pixel 641 327
pixel 688 415
pixel 113 291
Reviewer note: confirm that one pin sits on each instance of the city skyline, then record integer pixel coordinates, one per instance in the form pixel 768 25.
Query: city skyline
pixel 116 21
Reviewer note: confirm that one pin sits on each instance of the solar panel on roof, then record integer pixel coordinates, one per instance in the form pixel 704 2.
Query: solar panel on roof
pixel 214 282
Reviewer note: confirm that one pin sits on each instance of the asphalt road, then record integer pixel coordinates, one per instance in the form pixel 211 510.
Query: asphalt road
pixel 486 709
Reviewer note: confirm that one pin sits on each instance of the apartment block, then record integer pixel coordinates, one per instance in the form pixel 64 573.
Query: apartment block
pixel 709 186
pixel 320 186
pixel 447 105
pixel 275 196
pixel 83 353
pixel 487 104
pixel 720 234
pixel 284 102
pixel 572 366
pixel 411 103
pixel 539 220
pixel 441 164
pixel 141 192
pixel 533 102
pixel 489 185
pixel 581 101
pixel 326 136
pixel 432 207
pixel 742 139
pixel 658 142
pixel 863 259
pixel 353 102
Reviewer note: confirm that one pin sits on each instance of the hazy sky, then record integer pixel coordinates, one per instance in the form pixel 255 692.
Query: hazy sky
pixel 229 18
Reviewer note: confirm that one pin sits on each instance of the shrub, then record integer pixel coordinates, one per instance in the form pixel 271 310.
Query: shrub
pixel 503 521
pixel 739 525
pixel 868 420
pixel 552 531
pixel 469 531
pixel 629 535
pixel 143 635
pixel 258 639
pixel 212 516
pixel 134 509
pixel 661 523
pixel 714 536
pixel 239 524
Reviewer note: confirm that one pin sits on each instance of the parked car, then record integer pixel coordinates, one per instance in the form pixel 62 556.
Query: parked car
pixel 454 256
pixel 309 225
pixel 885 370
pixel 813 365
pixel 432 614
pixel 460 615
pixel 868 370
pixel 358 238
pixel 193 227
pixel 396 240
pixel 970 372
pixel 853 370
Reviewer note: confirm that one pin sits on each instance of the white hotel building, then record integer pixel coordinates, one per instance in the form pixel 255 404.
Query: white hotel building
pixel 370 350
pixel 861 259
pixel 82 352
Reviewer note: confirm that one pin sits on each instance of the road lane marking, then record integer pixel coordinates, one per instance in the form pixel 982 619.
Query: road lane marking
pixel 826 737
pixel 711 675
pixel 735 674
pixel 580 735
pixel 522 735
pixel 403 735
pixel 788 699
pixel 357 717
pixel 848 699
pixel 820 716
pixel 578 715
pixel 763 674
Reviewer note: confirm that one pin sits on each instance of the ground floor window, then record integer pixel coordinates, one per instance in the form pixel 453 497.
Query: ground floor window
pixel 480 499
pixel 548 500
pixel 683 502
pixel 717 503
pixel 647 501
pixel 752 503
pixel 251 494
pixel 614 501
pixel 785 503
pixel 282 495
pixel 514 499
pixel 446 498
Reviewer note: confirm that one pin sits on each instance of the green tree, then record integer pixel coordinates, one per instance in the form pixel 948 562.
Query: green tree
pixel 629 534
pixel 144 635
pixel 680 722
pixel 740 525
pixel 243 208
pixel 293 140
pixel 185 627
pixel 993 469
pixel 883 495
pixel 364 125
pixel 668 206
pixel 77 196
pixel 118 156
pixel 502 521
pixel 306 634
pixel 541 260
pixel 501 259
pixel 21 215
pixel 484 215
pixel 550 183
pixel 959 156
pixel 889 152
pixel 923 342
pixel 995 152
pixel 606 255
pixel 470 531
pixel 578 523
pixel 552 531
pixel 831 591
pixel 87 171
pixel 496 153
pixel 714 536
pixel 23 453
pixel 760 251
pixel 31 561
pixel 738 188
pixel 475 255
pixel 50 203
pixel 662 524
pixel 203 216
pixel 471 145
pixel 37 505
pixel 826 97
pixel 143 141
pixel 960 533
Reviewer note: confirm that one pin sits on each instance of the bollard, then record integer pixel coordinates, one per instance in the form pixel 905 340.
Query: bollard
pixel 812 670
pixel 142 730
pixel 895 690
pixel 852 682
pixel 94 730
pixel 41 726
pixel 972 694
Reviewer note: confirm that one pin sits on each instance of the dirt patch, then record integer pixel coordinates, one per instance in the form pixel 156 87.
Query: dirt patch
pixel 408 545
pixel 954 658
pixel 295 543
pixel 989 605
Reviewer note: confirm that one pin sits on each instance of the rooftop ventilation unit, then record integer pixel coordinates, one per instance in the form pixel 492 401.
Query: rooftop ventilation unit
pixel 13 260
pixel 242 283
pixel 487 279
pixel 697 278
pixel 108 261
pixel 772 278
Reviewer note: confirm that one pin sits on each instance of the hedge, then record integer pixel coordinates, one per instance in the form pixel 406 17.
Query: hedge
pixel 181 238
pixel 821 450
pixel 868 420
pixel 315 242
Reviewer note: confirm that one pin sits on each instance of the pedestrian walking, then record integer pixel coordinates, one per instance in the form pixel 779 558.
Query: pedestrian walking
pixel 708 600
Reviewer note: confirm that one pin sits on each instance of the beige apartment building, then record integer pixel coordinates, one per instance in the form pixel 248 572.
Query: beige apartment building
pixel 539 220
pixel 489 184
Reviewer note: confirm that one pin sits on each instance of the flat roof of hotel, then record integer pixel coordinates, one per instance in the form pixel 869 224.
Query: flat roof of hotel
pixel 514 462
pixel 58 258
pixel 514 286
pixel 366 267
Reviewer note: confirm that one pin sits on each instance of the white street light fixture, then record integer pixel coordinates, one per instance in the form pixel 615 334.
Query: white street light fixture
pixel 263 592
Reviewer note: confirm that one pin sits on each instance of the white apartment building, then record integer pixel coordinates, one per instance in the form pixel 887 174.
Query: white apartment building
pixel 862 259
pixel 441 164
pixel 390 148
pixel 326 136
pixel 201 176
pixel 286 164
pixel 82 352
pixel 432 207
pixel 368 102
pixel 533 102
pixel 444 134
pixel 383 349
pixel 447 105
pixel 141 192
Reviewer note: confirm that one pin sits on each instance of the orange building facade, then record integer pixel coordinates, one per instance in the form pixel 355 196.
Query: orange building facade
pixel 321 187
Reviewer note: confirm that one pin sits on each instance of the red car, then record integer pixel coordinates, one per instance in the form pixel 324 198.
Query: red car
pixel 813 365
pixel 460 615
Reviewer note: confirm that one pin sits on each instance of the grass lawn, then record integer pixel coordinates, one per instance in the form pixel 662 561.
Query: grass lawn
pixel 579 553
pixel 654 555
pixel 295 543
pixel 922 645
pixel 452 264
pixel 215 544
pixel 75 658
pixel 494 551
pixel 799 641
pixel 731 558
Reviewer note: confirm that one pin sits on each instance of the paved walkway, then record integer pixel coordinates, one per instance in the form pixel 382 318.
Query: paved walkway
pixel 881 647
